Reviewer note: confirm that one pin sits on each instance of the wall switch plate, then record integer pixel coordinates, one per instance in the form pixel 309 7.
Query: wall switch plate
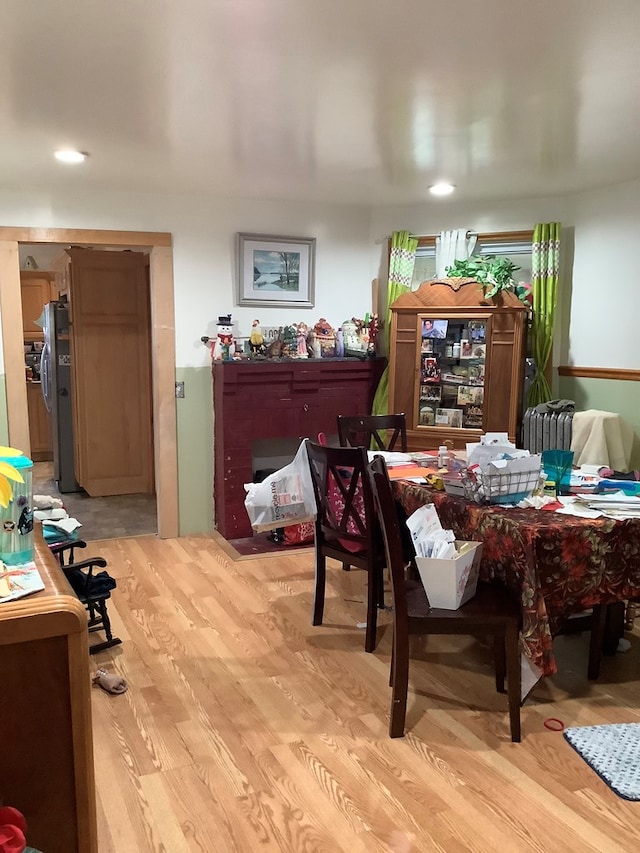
pixel 180 389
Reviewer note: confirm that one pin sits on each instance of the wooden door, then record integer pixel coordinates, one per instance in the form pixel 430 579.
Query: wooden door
pixel 111 362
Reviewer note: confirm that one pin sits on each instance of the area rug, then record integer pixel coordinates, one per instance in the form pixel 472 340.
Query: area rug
pixel 613 751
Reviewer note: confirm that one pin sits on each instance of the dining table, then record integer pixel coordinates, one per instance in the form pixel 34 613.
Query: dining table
pixel 557 564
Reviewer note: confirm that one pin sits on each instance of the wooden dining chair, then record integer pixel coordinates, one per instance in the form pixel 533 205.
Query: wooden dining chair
pixel 375 432
pixel 346 527
pixel 491 611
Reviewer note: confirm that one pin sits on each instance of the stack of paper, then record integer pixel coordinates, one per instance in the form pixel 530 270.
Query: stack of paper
pixel 612 504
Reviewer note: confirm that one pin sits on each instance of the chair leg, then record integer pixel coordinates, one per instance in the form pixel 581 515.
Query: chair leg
pixel 393 657
pixel 500 660
pixel 101 607
pixel 400 681
pixel 598 620
pixel 380 588
pixel 318 594
pixel 511 640
pixel 372 611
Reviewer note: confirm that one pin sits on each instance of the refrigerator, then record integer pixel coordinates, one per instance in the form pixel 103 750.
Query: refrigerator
pixel 55 375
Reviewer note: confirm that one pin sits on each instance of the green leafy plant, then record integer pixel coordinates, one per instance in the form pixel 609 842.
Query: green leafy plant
pixel 493 272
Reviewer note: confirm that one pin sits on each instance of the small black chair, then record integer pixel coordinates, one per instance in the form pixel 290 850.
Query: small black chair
pixel 491 611
pixel 375 432
pixel 346 527
pixel 93 590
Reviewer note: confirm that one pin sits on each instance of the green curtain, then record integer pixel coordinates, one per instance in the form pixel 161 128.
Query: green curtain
pixel 545 256
pixel 401 264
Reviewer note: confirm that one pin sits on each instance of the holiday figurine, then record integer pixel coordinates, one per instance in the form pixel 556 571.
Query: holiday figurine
pixel 256 339
pixel 303 330
pixel 224 348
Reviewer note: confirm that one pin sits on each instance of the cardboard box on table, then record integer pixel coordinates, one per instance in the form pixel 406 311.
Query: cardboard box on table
pixel 451 583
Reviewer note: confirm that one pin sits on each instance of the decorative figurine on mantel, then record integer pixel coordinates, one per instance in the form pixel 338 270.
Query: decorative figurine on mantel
pixel 326 335
pixel 256 339
pixel 224 348
pixel 303 330
pixel 374 327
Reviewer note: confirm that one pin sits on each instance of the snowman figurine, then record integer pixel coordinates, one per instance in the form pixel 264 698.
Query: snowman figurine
pixel 224 348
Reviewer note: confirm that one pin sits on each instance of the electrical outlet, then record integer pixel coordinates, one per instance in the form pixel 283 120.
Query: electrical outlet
pixel 180 389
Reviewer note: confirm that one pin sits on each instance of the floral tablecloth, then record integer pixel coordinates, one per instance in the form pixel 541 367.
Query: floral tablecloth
pixel 557 564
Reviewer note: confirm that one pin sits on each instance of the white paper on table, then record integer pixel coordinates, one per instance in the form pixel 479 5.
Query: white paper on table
pixel 483 454
pixel 579 510
pixel 618 497
pixel 590 470
pixel 501 438
pixel 391 457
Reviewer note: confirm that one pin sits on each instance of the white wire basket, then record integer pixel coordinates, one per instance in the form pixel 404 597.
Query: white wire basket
pixel 501 487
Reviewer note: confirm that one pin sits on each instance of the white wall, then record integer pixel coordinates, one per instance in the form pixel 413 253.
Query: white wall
pixel 601 234
pixel 604 328
pixel 204 251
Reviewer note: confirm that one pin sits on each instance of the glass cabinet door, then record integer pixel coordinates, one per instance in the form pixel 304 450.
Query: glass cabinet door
pixel 452 372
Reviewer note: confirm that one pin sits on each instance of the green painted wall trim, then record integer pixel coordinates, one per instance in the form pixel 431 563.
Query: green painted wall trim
pixel 607 395
pixel 4 421
pixel 195 451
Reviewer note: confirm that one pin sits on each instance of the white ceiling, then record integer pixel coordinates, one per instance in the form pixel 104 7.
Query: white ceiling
pixel 358 100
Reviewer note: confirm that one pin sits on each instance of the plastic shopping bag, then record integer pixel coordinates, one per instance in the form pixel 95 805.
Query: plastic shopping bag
pixel 284 497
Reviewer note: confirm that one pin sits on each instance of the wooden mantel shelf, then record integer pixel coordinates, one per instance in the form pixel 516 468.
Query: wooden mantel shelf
pixel 285 398
pixel 46 755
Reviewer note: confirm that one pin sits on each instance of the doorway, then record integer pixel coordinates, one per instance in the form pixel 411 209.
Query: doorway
pixel 120 504
pixel 162 345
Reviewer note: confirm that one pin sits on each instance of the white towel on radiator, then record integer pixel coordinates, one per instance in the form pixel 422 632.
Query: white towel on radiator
pixel 601 438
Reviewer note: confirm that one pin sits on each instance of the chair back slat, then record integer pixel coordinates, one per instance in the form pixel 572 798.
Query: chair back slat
pixel 377 432
pixel 343 492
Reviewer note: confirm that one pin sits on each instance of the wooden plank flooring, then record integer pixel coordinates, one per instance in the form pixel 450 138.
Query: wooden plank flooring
pixel 244 728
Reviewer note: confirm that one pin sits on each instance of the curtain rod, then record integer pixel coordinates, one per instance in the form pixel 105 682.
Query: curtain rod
pixel 380 240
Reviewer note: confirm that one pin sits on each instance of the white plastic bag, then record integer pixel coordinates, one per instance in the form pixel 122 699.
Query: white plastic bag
pixel 284 497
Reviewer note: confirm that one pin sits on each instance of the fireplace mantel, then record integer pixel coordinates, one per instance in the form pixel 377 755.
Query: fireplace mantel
pixel 277 399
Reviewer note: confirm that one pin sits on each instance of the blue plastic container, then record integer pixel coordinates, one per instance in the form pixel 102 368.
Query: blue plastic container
pixel 16 520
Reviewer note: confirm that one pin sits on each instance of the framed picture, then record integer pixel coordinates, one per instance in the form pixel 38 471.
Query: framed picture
pixel 276 271
pixel 430 393
pixel 449 417
pixel 434 328
pixel 430 370
pixel 470 395
pixel 472 417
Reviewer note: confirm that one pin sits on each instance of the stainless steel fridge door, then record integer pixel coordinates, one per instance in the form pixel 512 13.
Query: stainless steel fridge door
pixel 59 394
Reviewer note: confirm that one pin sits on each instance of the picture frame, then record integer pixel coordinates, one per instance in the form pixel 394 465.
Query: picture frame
pixel 276 272
pixel 449 417
pixel 470 395
pixel 434 328
pixel 430 393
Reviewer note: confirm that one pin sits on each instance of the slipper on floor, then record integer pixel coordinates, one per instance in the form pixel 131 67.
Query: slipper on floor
pixel 108 682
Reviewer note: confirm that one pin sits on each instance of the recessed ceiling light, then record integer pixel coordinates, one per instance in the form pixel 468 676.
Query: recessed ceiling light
pixel 69 155
pixel 442 189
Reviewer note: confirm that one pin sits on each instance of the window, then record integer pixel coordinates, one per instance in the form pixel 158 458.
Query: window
pixel 515 245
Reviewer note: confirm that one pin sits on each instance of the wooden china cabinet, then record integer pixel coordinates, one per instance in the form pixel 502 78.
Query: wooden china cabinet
pixel 456 362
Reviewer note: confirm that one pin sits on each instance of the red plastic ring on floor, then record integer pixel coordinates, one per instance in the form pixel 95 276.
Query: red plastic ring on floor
pixel 554 724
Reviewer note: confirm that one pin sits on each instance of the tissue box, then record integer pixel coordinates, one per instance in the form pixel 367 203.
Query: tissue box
pixel 451 583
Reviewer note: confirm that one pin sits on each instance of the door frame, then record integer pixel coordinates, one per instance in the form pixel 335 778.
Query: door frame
pixel 163 345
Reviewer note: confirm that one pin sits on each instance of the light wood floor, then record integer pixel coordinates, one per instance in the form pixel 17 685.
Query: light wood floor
pixel 244 728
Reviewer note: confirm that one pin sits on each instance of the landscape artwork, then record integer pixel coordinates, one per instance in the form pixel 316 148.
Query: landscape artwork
pixel 273 271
